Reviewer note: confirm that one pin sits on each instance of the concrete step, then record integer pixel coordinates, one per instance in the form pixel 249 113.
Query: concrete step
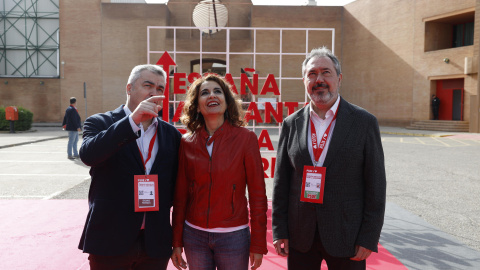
pixel 441 122
pixel 440 125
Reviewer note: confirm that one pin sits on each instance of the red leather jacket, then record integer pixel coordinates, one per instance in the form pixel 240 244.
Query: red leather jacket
pixel 210 192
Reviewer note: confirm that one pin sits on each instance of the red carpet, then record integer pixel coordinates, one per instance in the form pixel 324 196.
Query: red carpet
pixel 38 234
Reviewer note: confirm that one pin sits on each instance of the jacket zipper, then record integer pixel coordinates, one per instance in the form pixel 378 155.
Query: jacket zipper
pixel 209 189
pixel 233 199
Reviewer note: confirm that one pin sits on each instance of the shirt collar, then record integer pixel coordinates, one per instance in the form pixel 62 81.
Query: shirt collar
pixel 330 113
pixel 204 134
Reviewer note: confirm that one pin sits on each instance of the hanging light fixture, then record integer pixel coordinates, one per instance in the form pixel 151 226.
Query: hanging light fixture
pixel 210 13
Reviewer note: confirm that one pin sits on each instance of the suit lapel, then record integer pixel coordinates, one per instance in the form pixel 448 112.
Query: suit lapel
pixel 156 161
pixel 301 125
pixel 132 147
pixel 118 114
pixel 342 126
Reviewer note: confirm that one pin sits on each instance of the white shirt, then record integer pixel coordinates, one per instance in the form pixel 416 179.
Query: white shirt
pixel 210 147
pixel 321 126
pixel 144 140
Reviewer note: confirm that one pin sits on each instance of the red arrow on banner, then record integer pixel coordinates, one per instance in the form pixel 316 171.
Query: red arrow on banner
pixel 166 61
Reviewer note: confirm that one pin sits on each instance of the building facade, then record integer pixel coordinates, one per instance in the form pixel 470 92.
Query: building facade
pixel 395 54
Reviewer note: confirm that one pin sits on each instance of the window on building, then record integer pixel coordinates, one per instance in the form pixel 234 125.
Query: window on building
pixel 209 65
pixel 449 31
pixel 463 34
pixel 29 38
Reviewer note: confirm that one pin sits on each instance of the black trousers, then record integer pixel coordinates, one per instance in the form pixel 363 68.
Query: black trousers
pixel 435 113
pixel 312 259
pixel 136 258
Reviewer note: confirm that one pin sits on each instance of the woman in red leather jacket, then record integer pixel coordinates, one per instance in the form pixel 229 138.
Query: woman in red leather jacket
pixel 218 160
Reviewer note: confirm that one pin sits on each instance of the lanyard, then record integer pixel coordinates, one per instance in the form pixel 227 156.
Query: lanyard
pixel 318 149
pixel 150 147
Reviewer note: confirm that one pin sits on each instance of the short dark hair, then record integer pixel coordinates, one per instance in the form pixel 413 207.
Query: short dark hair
pixel 73 100
pixel 135 73
pixel 194 120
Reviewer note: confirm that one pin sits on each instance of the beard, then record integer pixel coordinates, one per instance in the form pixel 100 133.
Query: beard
pixel 323 96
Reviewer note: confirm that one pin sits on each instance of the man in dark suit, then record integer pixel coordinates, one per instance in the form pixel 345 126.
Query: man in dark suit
pixel 123 146
pixel 72 124
pixel 435 106
pixel 344 228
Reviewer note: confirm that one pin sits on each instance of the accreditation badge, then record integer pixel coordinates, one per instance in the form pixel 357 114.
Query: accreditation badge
pixel 313 184
pixel 146 195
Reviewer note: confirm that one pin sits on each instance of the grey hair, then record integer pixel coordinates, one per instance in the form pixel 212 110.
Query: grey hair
pixel 322 52
pixel 135 74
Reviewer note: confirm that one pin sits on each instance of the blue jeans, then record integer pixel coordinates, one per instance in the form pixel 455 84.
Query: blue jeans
pixel 72 143
pixel 205 250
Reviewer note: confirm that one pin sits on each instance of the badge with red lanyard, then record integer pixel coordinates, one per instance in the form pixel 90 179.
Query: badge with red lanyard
pixel 313 181
pixel 146 186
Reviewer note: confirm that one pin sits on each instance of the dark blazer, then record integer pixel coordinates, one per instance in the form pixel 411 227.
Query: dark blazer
pixel 355 186
pixel 71 120
pixel 109 147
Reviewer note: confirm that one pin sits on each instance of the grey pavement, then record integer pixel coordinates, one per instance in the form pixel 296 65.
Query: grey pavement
pixel 420 245
pixel 38 133
pixel 49 131
pixel 416 231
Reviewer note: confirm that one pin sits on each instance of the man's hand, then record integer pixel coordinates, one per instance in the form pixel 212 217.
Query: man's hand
pixel 177 259
pixel 255 260
pixel 278 247
pixel 147 109
pixel 361 253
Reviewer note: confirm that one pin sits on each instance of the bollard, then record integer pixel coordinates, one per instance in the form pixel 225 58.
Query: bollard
pixel 12 126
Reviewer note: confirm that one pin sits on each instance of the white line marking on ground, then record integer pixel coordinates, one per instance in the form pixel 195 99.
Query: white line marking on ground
pixel 21 196
pixel 459 141
pixel 440 141
pixel 83 264
pixel 422 142
pixel 52 195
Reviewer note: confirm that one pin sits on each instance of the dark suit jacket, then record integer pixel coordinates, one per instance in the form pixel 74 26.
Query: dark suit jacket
pixel 109 147
pixel 71 119
pixel 354 200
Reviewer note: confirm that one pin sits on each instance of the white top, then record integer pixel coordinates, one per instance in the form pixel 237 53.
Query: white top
pixel 210 147
pixel 321 126
pixel 218 229
pixel 143 142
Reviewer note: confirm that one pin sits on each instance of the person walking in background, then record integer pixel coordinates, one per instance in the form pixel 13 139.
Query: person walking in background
pixel 133 158
pixel 329 187
pixel 435 106
pixel 72 124
pixel 218 161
